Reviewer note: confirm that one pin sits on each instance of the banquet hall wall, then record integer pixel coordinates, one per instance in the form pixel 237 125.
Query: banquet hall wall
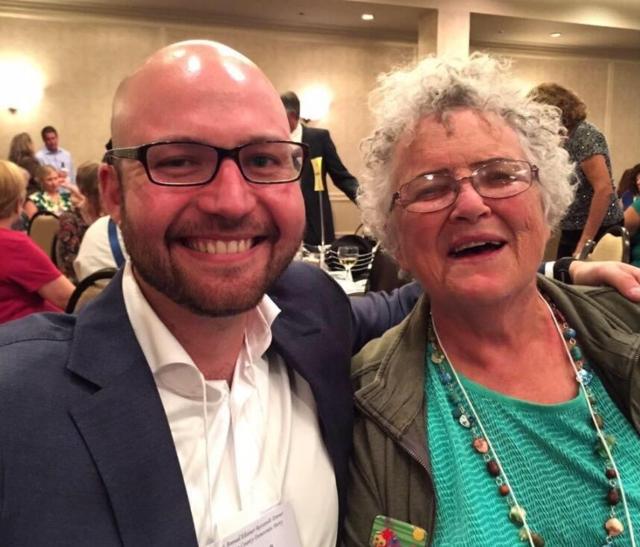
pixel 84 58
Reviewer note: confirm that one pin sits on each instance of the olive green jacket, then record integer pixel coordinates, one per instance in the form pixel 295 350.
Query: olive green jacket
pixel 390 469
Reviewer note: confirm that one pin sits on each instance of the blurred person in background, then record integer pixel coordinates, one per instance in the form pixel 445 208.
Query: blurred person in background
pixel 317 204
pixel 52 154
pixel 595 208
pixel 22 153
pixel 29 282
pixel 74 223
pixel 49 199
pixel 629 186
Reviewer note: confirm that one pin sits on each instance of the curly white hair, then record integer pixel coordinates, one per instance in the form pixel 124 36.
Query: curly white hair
pixel 435 87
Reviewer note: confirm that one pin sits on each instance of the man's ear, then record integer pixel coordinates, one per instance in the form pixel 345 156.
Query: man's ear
pixel 293 120
pixel 110 192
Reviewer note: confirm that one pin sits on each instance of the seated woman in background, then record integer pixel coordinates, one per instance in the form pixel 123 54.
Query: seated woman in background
pixel 477 416
pixel 629 186
pixel 23 154
pixel 74 223
pixel 29 282
pixel 49 199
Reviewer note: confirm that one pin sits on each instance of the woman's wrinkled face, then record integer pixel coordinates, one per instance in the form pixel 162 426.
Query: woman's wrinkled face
pixel 481 249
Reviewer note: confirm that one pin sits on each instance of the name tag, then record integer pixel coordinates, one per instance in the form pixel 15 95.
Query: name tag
pixel 275 528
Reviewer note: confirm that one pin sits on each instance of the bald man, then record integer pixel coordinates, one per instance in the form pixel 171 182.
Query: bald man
pixel 204 396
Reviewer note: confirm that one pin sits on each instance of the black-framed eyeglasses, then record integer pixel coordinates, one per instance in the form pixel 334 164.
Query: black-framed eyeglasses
pixel 497 179
pixel 185 163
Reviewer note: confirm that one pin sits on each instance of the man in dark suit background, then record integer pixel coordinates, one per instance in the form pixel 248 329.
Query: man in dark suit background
pixel 320 146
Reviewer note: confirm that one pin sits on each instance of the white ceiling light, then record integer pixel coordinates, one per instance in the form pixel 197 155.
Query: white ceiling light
pixel 555 34
pixel 367 17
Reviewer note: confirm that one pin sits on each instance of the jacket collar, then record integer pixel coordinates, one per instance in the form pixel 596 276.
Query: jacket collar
pixel 393 380
pixel 125 428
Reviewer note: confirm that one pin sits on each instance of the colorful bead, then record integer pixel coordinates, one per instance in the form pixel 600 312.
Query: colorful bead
pixel 611 473
pixel 576 353
pixel 610 441
pixel 493 468
pixel 464 421
pixel 503 489
pixel 613 496
pixel 569 333
pixel 480 445
pixel 584 376
pixel 537 539
pixel 597 420
pixel 517 514
pixel 437 357
pixel 614 527
pixel 445 378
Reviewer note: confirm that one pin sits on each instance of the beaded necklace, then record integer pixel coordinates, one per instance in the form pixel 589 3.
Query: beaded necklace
pixel 466 415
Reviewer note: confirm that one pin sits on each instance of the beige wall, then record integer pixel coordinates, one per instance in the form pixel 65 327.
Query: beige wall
pixel 84 59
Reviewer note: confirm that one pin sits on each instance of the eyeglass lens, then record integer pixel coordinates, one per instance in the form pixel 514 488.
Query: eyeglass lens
pixel 193 163
pixel 497 179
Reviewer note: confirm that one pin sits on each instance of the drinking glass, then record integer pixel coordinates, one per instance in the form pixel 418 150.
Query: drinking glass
pixel 348 257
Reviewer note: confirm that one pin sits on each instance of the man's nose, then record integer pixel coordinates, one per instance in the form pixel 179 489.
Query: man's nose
pixel 229 194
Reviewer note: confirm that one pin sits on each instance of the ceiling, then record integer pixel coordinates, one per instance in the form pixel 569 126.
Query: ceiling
pixel 599 27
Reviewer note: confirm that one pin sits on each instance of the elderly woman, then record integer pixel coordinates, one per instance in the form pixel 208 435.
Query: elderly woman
pixel 29 282
pixel 595 208
pixel 477 416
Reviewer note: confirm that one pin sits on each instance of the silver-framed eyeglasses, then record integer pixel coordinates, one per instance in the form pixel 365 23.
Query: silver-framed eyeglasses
pixel 497 179
pixel 186 163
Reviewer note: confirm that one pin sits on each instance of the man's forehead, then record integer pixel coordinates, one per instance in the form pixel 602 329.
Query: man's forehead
pixel 193 81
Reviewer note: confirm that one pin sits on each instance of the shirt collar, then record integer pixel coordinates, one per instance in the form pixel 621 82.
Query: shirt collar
pixel 160 347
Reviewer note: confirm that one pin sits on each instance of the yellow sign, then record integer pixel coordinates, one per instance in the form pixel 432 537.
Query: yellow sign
pixel 318 186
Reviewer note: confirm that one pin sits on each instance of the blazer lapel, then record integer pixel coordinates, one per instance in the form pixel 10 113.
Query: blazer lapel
pixel 316 343
pixel 125 428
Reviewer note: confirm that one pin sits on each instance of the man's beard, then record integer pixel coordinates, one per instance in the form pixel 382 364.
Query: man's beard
pixel 163 274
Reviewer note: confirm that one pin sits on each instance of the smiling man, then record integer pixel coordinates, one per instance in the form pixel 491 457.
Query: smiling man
pixel 206 389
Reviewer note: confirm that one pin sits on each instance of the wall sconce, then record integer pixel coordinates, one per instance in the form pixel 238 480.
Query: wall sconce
pixel 315 102
pixel 22 85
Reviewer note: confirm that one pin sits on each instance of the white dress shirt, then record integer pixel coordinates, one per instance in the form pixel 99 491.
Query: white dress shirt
pixel 245 449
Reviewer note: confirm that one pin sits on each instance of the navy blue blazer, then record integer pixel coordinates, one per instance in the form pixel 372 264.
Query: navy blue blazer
pixel 86 453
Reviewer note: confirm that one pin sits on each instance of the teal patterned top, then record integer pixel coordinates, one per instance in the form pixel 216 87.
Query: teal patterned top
pixel 547 452
pixel 44 203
